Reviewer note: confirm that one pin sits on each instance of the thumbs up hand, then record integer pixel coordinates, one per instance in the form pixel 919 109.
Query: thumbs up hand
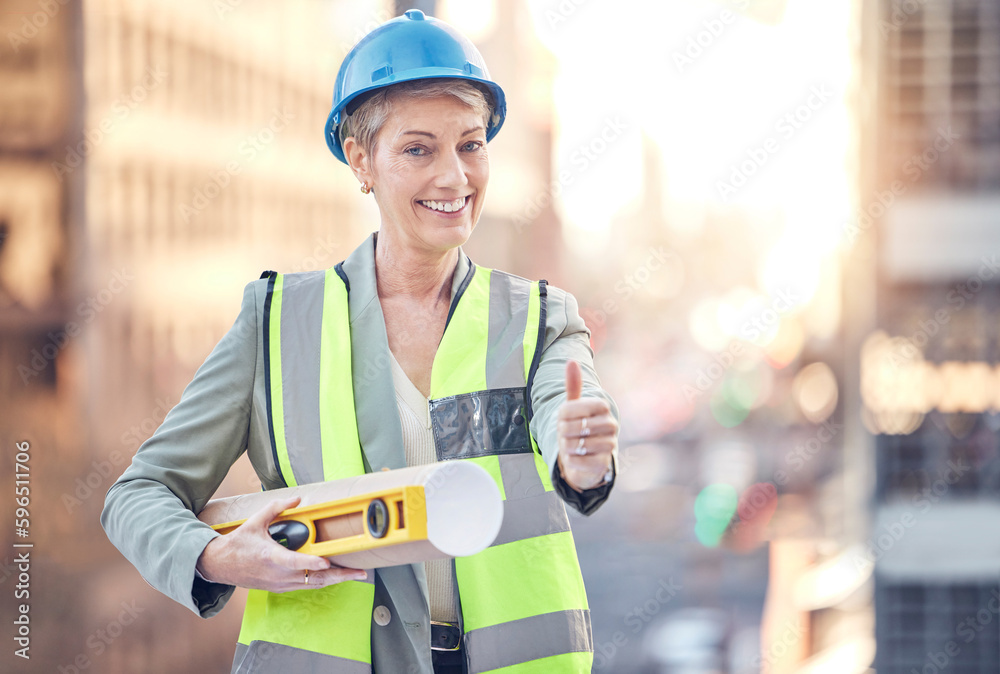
pixel 588 434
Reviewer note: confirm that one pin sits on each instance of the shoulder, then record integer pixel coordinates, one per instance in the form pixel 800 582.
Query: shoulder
pixel 255 294
pixel 562 316
pixel 562 311
pixel 259 288
pixel 554 293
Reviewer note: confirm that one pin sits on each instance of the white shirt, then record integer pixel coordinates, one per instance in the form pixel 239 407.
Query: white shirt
pixel 418 445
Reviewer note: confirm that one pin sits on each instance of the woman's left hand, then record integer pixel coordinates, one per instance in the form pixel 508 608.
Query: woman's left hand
pixel 588 435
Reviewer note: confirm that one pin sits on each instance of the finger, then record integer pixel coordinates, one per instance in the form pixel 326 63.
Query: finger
pixel 569 443
pixel 590 465
pixel 337 575
pixel 584 479
pixel 297 561
pixel 574 380
pixel 263 517
pixel 604 424
pixel 589 461
pixel 583 407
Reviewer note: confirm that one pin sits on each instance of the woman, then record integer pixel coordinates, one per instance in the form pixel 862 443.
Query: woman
pixel 478 365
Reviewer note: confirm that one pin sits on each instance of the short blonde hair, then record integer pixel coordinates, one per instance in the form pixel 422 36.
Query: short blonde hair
pixel 367 120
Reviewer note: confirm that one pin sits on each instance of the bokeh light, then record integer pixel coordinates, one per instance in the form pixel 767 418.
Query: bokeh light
pixel 815 391
pixel 728 404
pixel 713 510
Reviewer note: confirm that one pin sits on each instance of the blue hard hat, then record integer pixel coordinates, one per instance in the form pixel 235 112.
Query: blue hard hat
pixel 409 47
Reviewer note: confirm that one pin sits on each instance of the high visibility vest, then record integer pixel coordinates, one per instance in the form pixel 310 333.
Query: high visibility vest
pixel 522 600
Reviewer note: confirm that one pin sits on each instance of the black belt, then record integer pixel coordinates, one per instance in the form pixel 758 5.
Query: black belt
pixel 445 637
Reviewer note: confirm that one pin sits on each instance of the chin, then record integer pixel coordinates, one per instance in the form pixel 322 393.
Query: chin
pixel 452 236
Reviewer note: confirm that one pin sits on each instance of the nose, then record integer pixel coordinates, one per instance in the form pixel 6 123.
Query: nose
pixel 451 170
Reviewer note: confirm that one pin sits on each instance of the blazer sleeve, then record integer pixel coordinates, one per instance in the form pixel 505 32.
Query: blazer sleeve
pixel 149 512
pixel 566 337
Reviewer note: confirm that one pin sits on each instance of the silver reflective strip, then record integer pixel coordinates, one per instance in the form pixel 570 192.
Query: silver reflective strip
pixel 533 516
pixel 528 639
pixel 264 657
pixel 520 476
pixel 241 653
pixel 508 318
pixel 482 423
pixel 301 331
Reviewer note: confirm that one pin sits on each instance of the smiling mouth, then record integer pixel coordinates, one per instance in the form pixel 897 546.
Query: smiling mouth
pixel 446 206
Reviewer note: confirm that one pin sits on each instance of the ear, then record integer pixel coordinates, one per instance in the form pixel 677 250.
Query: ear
pixel 358 160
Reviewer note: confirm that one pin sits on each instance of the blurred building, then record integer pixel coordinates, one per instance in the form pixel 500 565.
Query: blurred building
pixel 41 217
pixel 155 158
pixel 928 321
pixel 519 229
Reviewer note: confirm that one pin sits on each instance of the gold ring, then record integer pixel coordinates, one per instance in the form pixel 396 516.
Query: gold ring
pixel 305 578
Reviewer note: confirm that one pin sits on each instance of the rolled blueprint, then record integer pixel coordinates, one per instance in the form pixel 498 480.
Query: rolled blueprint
pixel 461 503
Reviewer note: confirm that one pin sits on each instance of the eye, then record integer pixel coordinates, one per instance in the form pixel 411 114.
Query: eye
pixel 415 151
pixel 472 146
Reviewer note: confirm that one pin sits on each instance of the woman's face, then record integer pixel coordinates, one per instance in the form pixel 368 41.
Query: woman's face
pixel 429 169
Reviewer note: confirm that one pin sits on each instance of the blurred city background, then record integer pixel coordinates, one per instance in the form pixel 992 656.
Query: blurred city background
pixel 781 219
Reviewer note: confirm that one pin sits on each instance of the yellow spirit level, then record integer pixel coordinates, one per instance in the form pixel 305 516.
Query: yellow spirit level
pixel 357 523
pixel 385 518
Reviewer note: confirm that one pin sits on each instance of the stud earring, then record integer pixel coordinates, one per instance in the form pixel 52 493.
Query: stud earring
pixel 365 189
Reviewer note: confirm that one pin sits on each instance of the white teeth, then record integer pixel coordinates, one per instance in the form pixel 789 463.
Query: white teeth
pixel 446 206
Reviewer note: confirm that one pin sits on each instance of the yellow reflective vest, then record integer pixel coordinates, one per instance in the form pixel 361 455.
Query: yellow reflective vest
pixel 522 603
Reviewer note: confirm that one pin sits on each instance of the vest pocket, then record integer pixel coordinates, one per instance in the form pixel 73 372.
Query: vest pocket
pixel 481 423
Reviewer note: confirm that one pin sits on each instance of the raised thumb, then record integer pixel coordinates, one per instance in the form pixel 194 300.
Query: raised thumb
pixel 574 380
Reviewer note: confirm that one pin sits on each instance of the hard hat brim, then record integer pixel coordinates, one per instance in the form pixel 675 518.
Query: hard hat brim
pixel 498 106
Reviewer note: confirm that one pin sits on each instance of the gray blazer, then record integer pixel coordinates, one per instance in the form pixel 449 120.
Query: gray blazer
pixel 149 513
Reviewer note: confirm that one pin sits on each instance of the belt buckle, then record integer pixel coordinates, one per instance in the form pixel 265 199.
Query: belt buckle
pixel 447 633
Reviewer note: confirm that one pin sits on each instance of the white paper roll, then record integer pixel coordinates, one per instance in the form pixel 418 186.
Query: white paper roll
pixel 464 510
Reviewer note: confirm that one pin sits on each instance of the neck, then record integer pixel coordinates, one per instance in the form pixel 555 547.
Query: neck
pixel 401 271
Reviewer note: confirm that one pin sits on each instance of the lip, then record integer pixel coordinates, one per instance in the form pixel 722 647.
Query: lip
pixel 470 198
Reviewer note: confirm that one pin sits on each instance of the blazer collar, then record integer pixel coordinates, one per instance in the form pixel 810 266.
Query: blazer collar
pixel 360 269
pixel 379 428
